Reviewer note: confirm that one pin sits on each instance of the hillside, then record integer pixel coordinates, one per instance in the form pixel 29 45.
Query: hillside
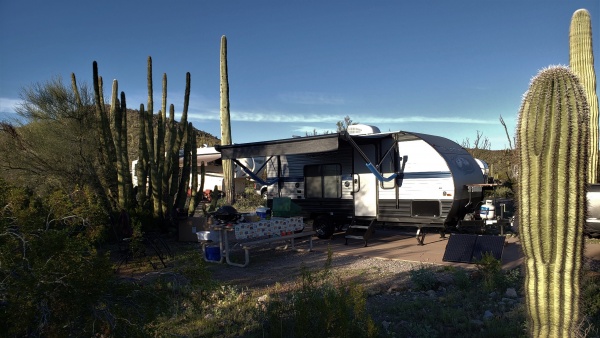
pixel 133 134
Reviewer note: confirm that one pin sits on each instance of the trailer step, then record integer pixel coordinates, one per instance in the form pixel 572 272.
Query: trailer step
pixel 357 231
pixel 365 227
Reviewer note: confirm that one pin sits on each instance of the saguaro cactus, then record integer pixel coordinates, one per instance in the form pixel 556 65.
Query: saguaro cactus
pixel 552 150
pixel 226 125
pixel 581 61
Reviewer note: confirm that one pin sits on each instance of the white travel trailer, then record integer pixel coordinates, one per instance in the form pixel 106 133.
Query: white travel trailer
pixel 396 178
pixel 213 177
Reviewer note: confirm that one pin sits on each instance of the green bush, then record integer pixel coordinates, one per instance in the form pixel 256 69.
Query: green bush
pixel 423 278
pixel 52 274
pixel 323 306
pixel 490 271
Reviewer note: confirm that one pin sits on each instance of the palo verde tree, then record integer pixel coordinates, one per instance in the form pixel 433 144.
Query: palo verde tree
pixel 51 147
pixel 343 125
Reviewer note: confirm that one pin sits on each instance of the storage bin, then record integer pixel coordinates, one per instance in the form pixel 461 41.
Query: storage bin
pixel 213 253
pixel 262 212
pixel 212 236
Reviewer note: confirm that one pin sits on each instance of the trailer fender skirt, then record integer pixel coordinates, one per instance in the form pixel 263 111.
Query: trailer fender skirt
pixel 378 174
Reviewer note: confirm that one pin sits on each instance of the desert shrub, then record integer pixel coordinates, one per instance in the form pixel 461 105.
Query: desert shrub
pixel 590 299
pixel 423 278
pixel 323 306
pixel 52 274
pixel 490 271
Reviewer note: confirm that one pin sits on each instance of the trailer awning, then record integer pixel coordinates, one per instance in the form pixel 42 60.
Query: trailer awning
pixel 300 145
pixel 303 145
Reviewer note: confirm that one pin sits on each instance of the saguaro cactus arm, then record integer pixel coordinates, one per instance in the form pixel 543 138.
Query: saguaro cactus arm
pixel 581 61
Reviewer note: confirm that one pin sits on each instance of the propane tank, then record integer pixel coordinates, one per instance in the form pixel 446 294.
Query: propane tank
pixel 487 210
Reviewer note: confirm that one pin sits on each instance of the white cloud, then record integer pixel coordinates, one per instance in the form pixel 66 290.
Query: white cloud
pixel 8 105
pixel 278 117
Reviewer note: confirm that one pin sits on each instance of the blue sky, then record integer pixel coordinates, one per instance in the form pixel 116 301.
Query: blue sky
pixel 447 68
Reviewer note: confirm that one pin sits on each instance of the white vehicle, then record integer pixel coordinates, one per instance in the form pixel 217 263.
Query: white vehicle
pixel 402 178
pixel 213 177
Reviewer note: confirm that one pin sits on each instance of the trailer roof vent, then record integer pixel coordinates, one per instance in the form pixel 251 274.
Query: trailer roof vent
pixel 361 129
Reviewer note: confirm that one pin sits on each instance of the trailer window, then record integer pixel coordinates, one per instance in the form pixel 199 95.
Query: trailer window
pixel 323 181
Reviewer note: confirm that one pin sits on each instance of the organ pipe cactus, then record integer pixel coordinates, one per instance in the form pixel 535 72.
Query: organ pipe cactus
pixel 196 188
pixel 552 150
pixel 159 150
pixel 163 149
pixel 226 125
pixel 141 169
pixel 107 172
pixel 154 159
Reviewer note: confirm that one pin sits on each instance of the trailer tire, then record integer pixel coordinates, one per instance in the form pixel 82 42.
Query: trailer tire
pixel 323 227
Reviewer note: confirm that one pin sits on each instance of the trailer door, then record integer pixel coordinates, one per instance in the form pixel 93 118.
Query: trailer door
pixel 365 195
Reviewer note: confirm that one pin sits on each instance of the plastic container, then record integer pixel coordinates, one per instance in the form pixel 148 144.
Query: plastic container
pixel 212 253
pixel 487 210
pixel 212 236
pixel 262 212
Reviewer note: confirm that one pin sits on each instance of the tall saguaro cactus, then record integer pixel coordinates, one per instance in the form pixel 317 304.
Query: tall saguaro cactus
pixel 552 150
pixel 581 61
pixel 226 124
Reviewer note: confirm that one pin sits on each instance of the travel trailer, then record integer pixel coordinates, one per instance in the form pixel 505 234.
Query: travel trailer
pixel 213 177
pixel 363 177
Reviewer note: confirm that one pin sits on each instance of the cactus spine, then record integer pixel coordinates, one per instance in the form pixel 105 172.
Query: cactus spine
pixel 552 150
pixel 581 61
pixel 226 125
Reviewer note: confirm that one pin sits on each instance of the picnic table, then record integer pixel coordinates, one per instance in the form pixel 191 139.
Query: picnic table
pixel 247 235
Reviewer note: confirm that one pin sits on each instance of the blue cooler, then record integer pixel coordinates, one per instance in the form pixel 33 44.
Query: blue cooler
pixel 262 212
pixel 213 253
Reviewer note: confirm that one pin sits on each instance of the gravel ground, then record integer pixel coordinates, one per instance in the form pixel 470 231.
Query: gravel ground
pixel 283 267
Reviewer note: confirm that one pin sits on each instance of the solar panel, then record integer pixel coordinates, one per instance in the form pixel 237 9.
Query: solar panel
pixel 466 248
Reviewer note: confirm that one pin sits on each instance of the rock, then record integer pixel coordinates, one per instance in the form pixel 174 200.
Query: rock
pixel 385 325
pixel 488 314
pixel 445 279
pixel 476 322
pixel 511 293
pixel 431 293
pixel 394 287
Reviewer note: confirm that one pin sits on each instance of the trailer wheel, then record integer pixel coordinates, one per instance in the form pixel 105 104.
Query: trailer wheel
pixel 323 227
